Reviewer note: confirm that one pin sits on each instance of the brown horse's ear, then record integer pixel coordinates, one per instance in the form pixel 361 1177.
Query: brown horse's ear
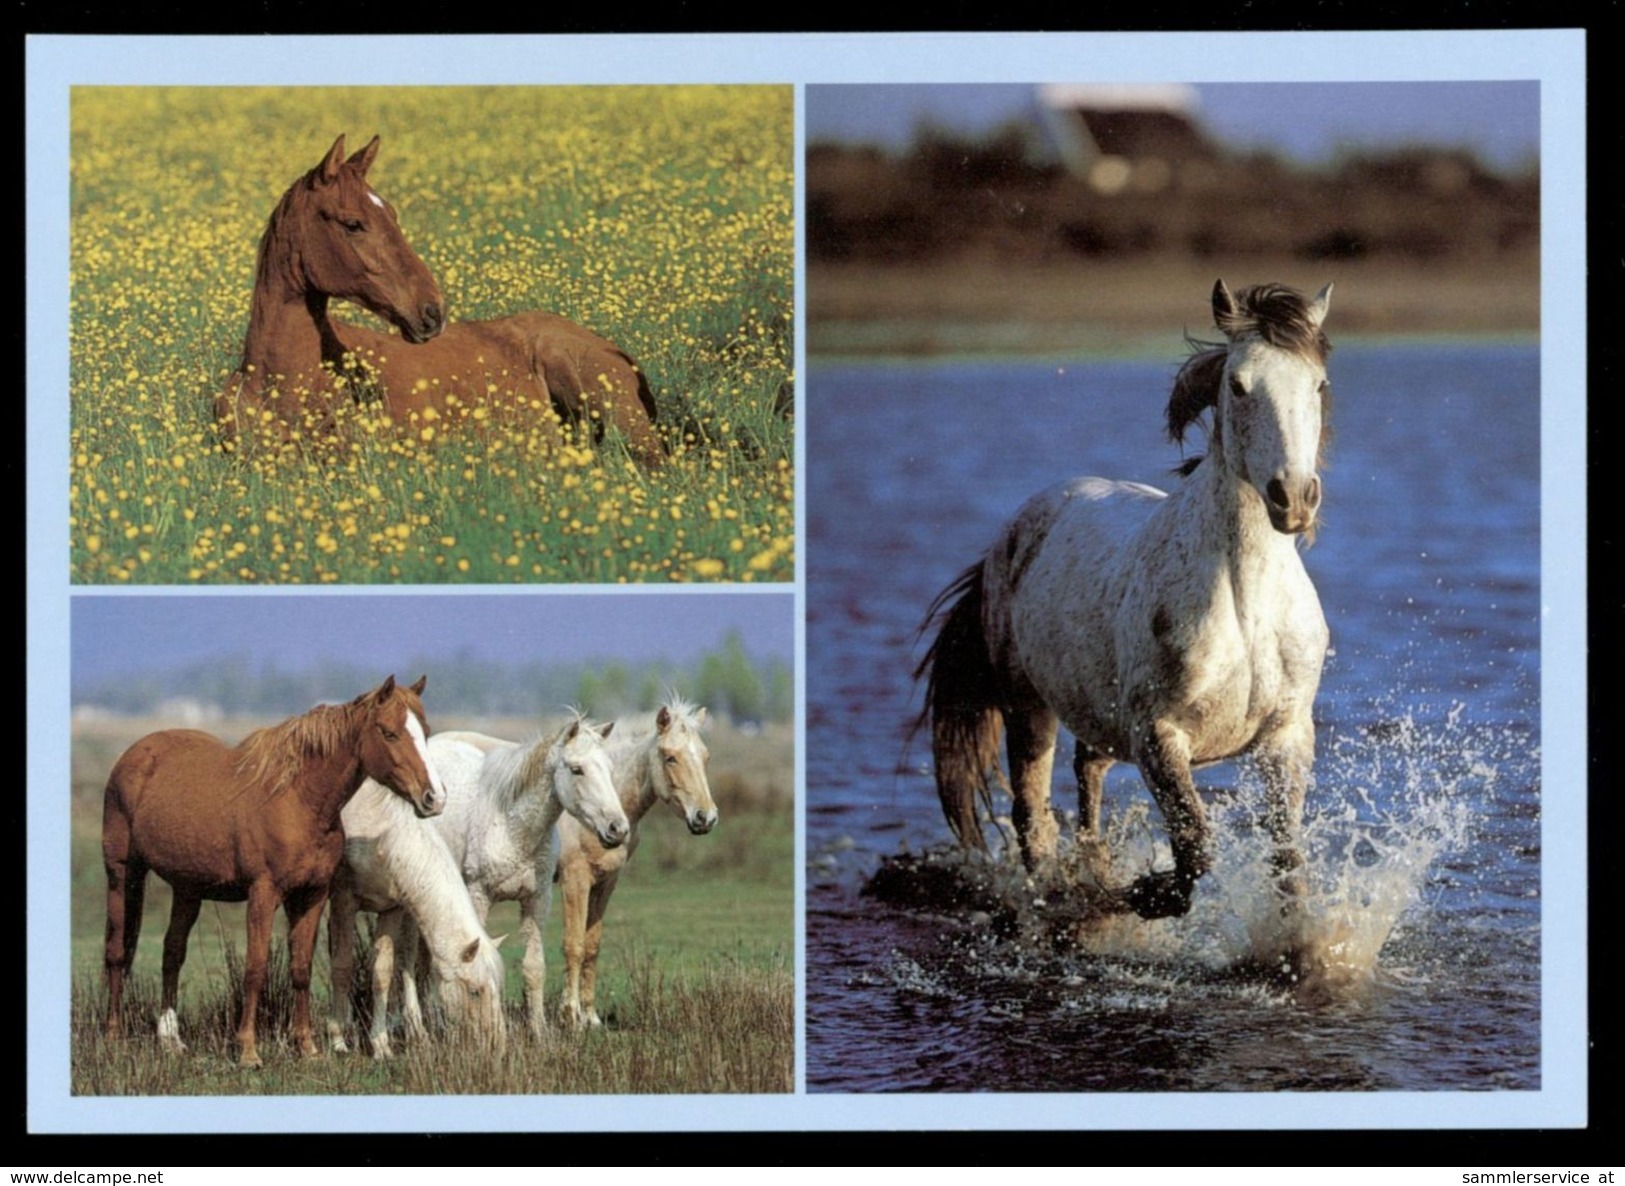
pixel 384 690
pixel 1226 312
pixel 423 682
pixel 663 719
pixel 329 168
pixel 362 160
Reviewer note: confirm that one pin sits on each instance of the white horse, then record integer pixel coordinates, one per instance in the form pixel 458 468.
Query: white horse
pixel 398 866
pixel 503 802
pixel 1165 630
pixel 665 763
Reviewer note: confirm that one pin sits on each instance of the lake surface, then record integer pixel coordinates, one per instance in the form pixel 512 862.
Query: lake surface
pixel 1423 825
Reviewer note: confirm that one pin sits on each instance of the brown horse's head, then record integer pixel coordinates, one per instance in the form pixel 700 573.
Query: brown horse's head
pixel 393 745
pixel 348 244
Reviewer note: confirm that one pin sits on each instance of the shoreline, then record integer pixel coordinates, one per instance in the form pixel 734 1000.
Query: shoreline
pixel 1120 309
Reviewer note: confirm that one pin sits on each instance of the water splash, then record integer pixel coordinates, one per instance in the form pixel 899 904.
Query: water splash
pixel 1390 804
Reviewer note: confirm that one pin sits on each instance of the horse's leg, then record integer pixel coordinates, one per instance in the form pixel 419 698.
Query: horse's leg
pixel 383 971
pixel 340 959
pixel 183 912
pixel 126 896
pixel 1284 760
pixel 597 906
pixel 409 948
pixel 304 910
pixel 1030 742
pixel 575 890
pixel 263 900
pixel 532 911
pixel 1165 762
pixel 1090 766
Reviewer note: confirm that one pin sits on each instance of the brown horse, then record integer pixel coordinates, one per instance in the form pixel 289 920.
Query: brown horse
pixel 332 236
pixel 259 822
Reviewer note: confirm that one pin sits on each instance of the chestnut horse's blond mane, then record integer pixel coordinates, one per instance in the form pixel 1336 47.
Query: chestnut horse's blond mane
pixel 270 758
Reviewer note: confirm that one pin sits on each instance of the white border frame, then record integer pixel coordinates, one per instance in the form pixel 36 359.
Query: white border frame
pixel 1555 58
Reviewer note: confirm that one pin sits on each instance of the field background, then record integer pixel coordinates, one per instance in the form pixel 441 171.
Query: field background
pixel 696 981
pixel 659 217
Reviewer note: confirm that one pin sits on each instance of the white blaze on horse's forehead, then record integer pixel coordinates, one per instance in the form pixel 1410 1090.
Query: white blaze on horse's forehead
pixel 414 729
pixel 375 200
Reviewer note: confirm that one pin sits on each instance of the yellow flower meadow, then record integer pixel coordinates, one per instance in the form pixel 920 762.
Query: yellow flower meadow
pixel 659 217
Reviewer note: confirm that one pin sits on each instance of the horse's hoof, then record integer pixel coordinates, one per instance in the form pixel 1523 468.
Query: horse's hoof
pixel 1160 895
pixel 251 1061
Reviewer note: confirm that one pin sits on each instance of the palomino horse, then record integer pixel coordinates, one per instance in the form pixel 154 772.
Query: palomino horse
pixel 501 825
pixel 664 764
pixel 259 822
pixel 332 237
pixel 395 863
pixel 1165 630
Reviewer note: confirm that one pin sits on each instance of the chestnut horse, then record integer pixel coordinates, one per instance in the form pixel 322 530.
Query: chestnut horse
pixel 332 236
pixel 258 822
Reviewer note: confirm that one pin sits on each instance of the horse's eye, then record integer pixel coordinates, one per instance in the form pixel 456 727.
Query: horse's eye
pixel 578 771
pixel 671 759
pixel 389 734
pixel 353 225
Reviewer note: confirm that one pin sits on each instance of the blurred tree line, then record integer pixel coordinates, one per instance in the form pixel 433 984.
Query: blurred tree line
pixel 727 680
pixel 952 195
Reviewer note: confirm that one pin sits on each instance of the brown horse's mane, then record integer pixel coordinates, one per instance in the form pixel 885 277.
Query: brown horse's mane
pixel 1277 314
pixel 268 240
pixel 269 759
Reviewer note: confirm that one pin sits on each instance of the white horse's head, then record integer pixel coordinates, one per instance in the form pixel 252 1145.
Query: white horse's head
pixel 1272 397
pixel 583 779
pixel 677 759
pixel 471 991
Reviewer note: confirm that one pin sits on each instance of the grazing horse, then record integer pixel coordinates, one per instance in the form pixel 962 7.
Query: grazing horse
pixel 501 823
pixel 258 822
pixel 333 237
pixel 664 764
pixel 398 866
pixel 1164 630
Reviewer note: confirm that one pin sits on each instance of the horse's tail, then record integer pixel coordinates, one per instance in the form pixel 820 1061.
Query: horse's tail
pixel 967 723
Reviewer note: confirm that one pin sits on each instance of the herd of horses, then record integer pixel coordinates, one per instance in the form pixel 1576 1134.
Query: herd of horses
pixel 358 805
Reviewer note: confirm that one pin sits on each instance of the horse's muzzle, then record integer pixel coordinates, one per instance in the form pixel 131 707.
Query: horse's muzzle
pixel 428 323
pixel 1292 510
pixel 700 822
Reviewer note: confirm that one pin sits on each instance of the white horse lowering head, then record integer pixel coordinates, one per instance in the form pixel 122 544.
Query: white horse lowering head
pixel 1267 385
pixel 677 761
pixel 471 991
pixel 583 780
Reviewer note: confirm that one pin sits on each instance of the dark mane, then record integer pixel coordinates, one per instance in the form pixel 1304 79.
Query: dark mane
pixel 1277 314
pixel 1280 316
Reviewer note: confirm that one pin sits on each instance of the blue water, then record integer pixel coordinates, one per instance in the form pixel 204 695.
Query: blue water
pixel 1424 820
